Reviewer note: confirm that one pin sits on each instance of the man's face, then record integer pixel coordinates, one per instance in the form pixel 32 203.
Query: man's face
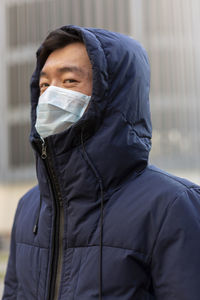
pixel 69 68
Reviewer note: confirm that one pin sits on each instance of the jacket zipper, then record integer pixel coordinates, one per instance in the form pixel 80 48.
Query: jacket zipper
pixel 58 228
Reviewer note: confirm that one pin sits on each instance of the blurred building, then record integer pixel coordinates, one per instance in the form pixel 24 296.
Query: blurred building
pixel 169 31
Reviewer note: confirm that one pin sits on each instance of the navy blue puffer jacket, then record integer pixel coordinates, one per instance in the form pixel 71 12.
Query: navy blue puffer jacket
pixel 102 223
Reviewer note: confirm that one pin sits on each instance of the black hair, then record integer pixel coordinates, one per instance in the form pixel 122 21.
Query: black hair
pixel 58 39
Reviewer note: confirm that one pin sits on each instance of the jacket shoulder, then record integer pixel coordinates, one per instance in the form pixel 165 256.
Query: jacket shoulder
pixel 164 182
pixel 164 191
pixel 152 193
pixel 170 178
pixel 30 195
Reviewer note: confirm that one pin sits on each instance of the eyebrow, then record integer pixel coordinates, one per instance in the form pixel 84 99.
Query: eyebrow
pixel 65 69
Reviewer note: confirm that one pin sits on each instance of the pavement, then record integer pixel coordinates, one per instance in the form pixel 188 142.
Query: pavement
pixel 1 290
pixel 3 265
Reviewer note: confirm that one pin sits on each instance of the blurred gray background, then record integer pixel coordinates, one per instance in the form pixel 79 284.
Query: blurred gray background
pixel 168 29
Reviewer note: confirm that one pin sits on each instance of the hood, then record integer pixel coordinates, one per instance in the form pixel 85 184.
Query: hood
pixel 116 127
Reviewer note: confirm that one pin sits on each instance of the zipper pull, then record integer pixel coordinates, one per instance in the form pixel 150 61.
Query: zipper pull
pixel 35 229
pixel 44 149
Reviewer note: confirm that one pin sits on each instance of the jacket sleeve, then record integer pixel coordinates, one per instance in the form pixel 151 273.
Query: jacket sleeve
pixel 10 284
pixel 176 254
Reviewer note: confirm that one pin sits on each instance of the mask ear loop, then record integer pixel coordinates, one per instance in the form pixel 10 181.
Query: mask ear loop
pixel 90 163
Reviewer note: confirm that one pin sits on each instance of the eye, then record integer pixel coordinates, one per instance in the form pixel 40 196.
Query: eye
pixel 69 80
pixel 43 84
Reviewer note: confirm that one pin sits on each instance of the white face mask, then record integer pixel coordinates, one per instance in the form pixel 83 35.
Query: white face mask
pixel 58 109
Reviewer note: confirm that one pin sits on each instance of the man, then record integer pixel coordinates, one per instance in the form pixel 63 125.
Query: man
pixel 102 223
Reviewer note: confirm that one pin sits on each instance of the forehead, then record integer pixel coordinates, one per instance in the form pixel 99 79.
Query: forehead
pixel 71 55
